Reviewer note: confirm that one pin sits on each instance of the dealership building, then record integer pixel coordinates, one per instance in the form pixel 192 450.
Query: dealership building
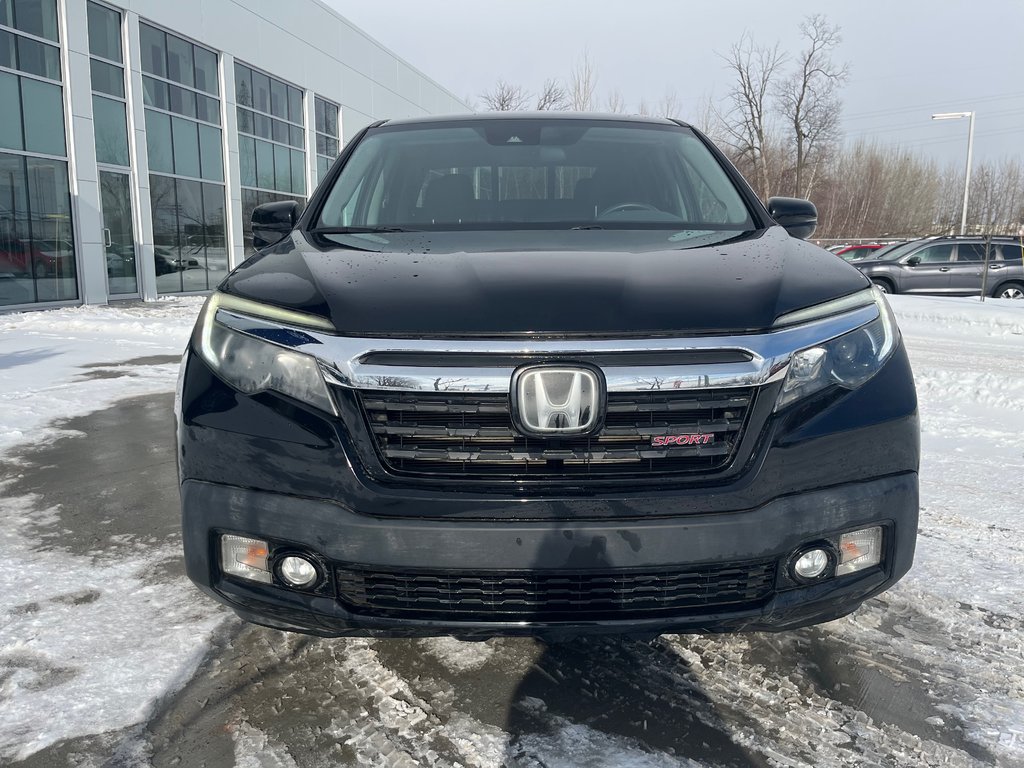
pixel 137 136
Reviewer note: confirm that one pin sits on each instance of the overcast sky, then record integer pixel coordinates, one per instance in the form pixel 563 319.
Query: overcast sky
pixel 907 58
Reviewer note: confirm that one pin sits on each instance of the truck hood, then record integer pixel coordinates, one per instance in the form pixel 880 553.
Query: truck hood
pixel 452 287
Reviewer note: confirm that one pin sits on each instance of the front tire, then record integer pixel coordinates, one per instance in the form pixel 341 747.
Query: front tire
pixel 1009 291
pixel 883 285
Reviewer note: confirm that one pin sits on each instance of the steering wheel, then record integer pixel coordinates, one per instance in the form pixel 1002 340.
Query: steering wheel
pixel 628 207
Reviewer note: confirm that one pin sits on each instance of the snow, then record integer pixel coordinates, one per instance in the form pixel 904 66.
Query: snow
pixel 42 354
pixel 91 644
pixel 87 644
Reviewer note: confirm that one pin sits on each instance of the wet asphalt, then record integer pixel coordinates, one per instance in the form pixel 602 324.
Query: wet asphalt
pixel 718 701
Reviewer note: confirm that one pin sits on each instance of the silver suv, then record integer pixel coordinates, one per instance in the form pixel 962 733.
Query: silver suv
pixel 952 266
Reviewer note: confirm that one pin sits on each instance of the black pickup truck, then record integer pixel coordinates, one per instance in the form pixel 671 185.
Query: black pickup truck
pixel 545 375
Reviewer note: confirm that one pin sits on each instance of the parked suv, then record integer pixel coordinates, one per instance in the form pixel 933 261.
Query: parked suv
pixel 544 375
pixel 951 266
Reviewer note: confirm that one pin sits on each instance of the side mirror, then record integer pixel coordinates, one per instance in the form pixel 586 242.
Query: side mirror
pixel 798 217
pixel 913 261
pixel 271 222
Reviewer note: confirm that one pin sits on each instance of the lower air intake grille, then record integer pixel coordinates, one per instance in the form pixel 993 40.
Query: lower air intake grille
pixel 554 595
pixel 471 434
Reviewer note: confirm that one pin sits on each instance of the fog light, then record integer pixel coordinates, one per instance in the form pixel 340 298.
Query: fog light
pixel 859 550
pixel 811 564
pixel 245 558
pixel 297 571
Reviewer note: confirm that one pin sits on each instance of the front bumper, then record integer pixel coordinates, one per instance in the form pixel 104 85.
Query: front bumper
pixel 339 537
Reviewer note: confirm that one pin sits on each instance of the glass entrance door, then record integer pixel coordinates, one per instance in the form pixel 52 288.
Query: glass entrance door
pixel 119 235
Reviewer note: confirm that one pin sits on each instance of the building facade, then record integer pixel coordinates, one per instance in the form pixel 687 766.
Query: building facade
pixel 136 136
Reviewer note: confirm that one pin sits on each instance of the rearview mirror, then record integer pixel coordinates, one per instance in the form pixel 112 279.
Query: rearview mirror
pixel 796 216
pixel 271 222
pixel 913 261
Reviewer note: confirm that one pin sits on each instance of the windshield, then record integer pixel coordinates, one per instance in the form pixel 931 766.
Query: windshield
pixel 534 174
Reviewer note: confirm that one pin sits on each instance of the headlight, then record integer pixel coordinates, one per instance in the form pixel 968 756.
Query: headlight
pixel 252 365
pixel 846 361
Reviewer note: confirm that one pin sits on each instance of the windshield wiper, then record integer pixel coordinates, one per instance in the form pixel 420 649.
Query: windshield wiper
pixel 587 226
pixel 359 230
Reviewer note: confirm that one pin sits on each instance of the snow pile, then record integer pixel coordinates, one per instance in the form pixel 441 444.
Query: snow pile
pixel 43 354
pixel 88 644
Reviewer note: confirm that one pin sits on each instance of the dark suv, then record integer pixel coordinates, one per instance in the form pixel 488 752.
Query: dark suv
pixel 544 375
pixel 952 266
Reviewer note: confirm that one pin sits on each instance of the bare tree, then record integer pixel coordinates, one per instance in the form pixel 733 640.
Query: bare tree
pixel 615 103
pixel 553 96
pixel 506 97
pixel 809 101
pixel 583 84
pixel 669 106
pixel 745 118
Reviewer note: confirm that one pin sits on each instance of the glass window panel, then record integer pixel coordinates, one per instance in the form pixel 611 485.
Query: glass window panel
pixel 154 93
pixel 43 110
pixel 295 106
pixel 17 287
pixel 37 17
pixel 104 32
pixel 247 160
pixel 298 172
pixel 280 131
pixel 53 237
pixel 153 44
pixel 38 58
pixel 8 50
pixel 245 120
pixel 119 234
pixel 296 137
pixel 264 165
pixel 111 131
pixel 186 147
pixel 216 239
pixel 11 136
pixel 7 13
pixel 320 116
pixel 158 141
pixel 261 92
pixel 332 148
pixel 279 99
pixel 181 101
pixel 263 126
pixel 322 166
pixel 331 125
pixel 165 233
pixel 243 85
pixel 250 199
pixel 210 153
pixel 180 68
pixel 207 109
pixel 206 70
pixel 106 78
pixel 282 169
pixel 191 235
pixel 321 144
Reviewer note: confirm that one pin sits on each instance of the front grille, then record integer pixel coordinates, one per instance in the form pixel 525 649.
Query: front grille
pixel 555 595
pixel 472 434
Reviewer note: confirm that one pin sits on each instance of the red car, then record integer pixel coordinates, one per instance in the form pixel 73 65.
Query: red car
pixel 854 252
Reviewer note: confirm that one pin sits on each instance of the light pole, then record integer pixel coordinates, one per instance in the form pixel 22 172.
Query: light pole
pixel 970 150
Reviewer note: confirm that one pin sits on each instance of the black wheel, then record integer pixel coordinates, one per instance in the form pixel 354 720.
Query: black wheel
pixel 883 285
pixel 1009 291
